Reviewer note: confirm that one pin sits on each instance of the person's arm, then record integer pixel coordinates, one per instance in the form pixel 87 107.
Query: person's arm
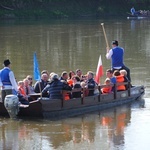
pixel 13 81
pixel 109 54
pixel 36 87
pixel 66 87
pixel 45 91
pixel 1 84
pixel 91 85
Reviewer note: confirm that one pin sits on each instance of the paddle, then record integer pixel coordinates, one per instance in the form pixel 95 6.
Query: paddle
pixel 107 45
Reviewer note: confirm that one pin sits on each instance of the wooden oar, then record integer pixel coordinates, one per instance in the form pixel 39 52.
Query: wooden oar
pixel 107 45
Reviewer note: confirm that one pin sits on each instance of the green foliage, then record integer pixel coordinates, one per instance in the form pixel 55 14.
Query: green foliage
pixel 68 8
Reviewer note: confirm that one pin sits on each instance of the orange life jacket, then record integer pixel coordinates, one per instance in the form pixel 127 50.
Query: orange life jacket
pixel 106 89
pixel 70 82
pixel 120 79
pixel 67 97
pixel 22 91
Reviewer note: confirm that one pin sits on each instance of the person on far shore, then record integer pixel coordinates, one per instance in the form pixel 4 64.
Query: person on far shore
pixel 133 12
pixel 116 54
pixel 7 80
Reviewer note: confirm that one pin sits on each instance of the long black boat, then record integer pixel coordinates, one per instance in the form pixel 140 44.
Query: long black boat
pixel 60 108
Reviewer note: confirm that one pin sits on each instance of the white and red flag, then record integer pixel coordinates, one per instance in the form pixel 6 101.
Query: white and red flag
pixel 99 72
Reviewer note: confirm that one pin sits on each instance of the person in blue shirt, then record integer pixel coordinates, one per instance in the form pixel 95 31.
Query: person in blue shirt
pixel 7 80
pixel 109 74
pixel 133 12
pixel 116 54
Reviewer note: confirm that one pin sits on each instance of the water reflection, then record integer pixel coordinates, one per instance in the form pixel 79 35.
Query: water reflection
pixel 93 130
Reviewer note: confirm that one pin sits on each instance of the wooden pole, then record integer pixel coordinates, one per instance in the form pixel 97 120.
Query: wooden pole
pixel 107 45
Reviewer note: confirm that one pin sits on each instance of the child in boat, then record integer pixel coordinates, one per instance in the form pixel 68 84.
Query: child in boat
pixel 21 88
pixel 124 73
pixel 21 93
pixel 108 88
pixel 119 79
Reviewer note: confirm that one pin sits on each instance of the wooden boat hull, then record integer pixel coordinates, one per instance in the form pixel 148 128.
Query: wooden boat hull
pixel 55 109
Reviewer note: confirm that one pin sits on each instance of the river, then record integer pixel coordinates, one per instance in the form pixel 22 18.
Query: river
pixel 68 45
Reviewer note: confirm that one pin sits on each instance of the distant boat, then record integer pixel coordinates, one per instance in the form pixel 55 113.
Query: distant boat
pixel 141 15
pixel 138 17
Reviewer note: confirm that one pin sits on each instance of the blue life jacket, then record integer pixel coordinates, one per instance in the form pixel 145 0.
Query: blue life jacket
pixel 4 74
pixel 117 57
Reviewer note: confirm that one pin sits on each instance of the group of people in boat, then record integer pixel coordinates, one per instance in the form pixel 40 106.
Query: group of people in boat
pixel 51 85
pixel 139 12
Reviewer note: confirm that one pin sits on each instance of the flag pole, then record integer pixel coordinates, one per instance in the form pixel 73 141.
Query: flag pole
pixel 36 71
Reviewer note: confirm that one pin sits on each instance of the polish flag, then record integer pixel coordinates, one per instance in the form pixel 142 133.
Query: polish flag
pixel 99 71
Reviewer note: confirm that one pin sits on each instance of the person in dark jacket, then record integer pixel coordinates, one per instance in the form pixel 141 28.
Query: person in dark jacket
pixel 76 85
pixel 91 83
pixel 40 85
pixel 55 87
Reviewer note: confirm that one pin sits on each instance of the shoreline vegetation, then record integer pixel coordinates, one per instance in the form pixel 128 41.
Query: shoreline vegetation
pixel 26 9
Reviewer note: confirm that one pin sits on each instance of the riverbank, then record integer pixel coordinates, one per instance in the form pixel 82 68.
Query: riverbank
pixel 66 9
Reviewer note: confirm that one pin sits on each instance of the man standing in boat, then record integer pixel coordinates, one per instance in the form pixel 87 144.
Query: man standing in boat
pixel 116 54
pixel 7 80
pixel 133 12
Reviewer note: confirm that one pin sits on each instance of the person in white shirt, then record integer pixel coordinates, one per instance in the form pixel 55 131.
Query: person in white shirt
pixel 7 80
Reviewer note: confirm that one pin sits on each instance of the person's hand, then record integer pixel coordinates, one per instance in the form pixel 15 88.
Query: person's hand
pixel 107 49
